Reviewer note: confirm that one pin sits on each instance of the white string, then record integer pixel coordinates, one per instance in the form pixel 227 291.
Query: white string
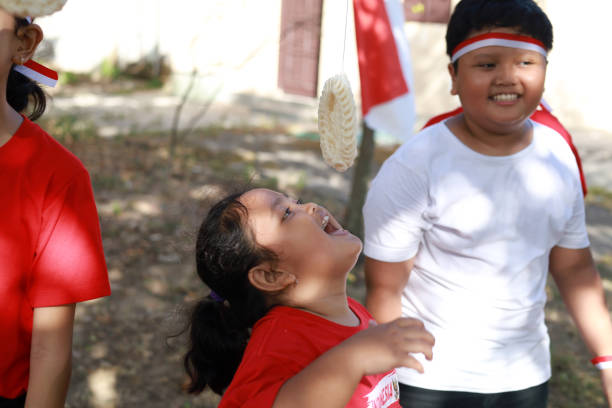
pixel 345 27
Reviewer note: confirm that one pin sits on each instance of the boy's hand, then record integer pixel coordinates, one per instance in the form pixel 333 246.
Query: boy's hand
pixel 383 347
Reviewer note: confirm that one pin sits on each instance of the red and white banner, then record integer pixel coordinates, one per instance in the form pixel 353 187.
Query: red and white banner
pixel 385 70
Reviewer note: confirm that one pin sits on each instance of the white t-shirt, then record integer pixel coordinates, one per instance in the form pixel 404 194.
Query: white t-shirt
pixel 480 229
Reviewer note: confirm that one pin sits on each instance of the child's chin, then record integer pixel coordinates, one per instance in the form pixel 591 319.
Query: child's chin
pixel 358 247
pixel 353 239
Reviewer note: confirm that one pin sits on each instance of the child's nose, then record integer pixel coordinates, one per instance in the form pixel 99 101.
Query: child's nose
pixel 315 210
pixel 506 75
pixel 311 208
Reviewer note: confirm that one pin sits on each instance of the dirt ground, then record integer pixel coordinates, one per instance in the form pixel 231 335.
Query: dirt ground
pixel 150 208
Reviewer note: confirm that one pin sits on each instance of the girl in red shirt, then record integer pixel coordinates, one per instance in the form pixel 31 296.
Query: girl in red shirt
pixel 51 253
pixel 278 329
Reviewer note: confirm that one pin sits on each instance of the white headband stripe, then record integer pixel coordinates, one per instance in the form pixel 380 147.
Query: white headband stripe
pixel 498 42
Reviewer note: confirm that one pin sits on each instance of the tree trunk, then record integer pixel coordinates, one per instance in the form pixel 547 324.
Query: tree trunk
pixel 361 178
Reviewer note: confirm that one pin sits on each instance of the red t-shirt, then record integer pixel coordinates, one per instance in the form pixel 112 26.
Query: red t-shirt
pixel 285 341
pixel 50 245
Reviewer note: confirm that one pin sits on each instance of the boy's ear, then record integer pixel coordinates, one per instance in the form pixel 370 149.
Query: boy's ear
pixel 453 76
pixel 29 37
pixel 267 279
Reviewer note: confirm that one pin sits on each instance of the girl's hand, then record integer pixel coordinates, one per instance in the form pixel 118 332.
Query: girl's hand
pixel 383 347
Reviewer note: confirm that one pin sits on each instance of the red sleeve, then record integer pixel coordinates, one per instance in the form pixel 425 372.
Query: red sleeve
pixel 259 383
pixel 282 344
pixel 69 263
pixel 279 348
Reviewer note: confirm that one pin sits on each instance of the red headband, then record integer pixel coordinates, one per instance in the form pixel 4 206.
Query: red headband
pixel 499 40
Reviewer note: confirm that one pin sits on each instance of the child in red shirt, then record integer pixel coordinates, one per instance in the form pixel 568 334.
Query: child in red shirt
pixel 278 328
pixel 51 253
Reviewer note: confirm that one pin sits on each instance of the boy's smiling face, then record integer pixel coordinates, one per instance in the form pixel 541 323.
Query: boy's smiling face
pixel 499 87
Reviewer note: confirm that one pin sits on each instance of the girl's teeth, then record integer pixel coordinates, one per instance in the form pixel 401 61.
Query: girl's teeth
pixel 325 221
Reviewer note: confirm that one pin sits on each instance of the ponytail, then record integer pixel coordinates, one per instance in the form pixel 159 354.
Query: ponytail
pixel 20 90
pixel 219 330
pixel 217 343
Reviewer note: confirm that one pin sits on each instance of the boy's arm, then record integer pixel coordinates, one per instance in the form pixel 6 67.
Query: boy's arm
pixel 385 282
pixel 582 291
pixel 50 356
pixel 331 379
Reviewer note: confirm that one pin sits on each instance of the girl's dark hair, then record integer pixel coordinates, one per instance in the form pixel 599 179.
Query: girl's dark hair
pixel 474 15
pixel 20 90
pixel 219 331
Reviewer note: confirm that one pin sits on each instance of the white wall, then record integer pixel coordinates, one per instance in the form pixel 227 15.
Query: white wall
pixel 86 32
pixel 338 52
pixel 232 43
pixel 580 64
pixel 429 62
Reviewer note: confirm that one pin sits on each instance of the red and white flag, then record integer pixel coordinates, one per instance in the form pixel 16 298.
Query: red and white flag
pixel 387 98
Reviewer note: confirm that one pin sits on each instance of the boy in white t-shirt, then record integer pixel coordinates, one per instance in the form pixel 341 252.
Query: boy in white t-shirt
pixel 464 221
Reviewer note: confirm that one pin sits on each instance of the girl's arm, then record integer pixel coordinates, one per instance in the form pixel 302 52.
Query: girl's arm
pixel 50 356
pixel 582 291
pixel 331 379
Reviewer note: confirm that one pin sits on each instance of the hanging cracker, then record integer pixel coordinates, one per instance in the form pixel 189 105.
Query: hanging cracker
pixel 338 123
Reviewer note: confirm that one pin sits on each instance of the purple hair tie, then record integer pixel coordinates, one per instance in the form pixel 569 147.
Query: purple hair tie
pixel 213 295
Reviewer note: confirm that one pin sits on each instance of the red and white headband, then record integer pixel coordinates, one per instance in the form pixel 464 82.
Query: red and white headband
pixel 36 71
pixel 499 40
